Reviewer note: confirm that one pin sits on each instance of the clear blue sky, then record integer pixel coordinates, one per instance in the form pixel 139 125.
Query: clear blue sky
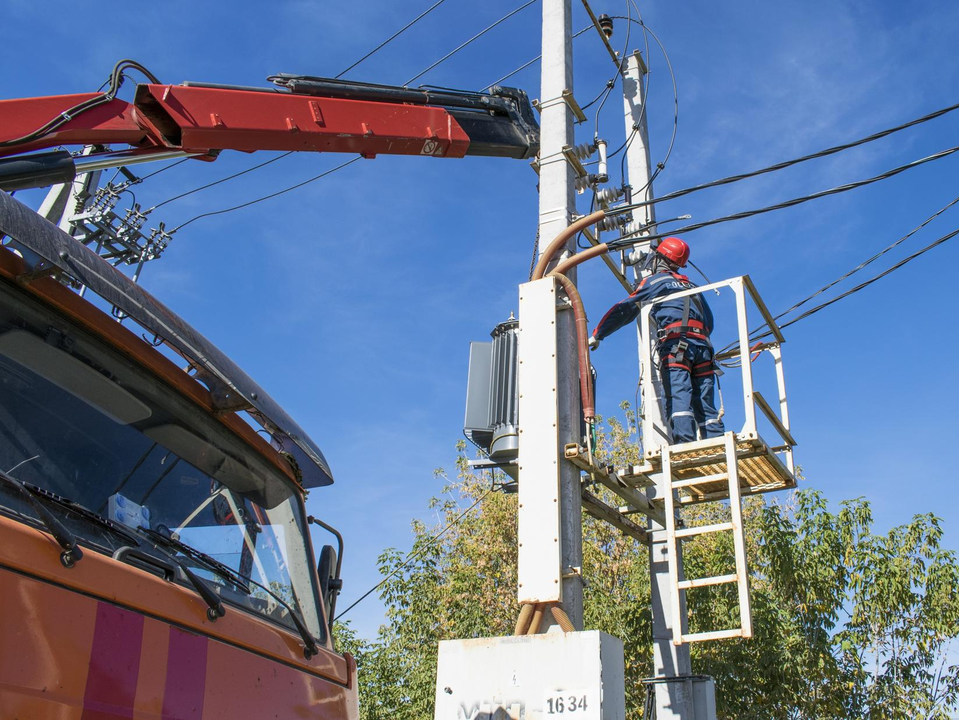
pixel 353 300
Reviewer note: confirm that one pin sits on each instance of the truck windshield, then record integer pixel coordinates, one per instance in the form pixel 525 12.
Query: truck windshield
pixel 78 420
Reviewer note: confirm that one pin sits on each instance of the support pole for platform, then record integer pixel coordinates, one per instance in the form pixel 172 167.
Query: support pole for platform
pixel 674 697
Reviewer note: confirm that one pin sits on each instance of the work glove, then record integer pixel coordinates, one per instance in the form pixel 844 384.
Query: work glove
pixel 593 343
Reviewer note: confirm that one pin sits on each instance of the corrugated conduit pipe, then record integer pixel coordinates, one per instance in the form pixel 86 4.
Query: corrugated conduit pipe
pixel 531 617
pixel 583 350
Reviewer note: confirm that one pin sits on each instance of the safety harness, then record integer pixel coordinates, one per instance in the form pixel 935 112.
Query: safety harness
pixel 683 329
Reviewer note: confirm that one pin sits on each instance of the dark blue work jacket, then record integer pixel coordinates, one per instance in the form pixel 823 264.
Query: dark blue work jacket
pixel 668 316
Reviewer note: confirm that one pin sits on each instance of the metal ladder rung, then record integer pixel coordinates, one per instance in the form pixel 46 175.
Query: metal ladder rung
pixel 705 582
pixel 715 635
pixel 701 480
pixel 703 529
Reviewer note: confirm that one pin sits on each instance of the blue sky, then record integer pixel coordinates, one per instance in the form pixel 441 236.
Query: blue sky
pixel 353 300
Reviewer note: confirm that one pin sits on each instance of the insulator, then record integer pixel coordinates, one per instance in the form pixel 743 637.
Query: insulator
pixel 612 223
pixel 159 239
pixel 608 195
pixel 134 220
pixel 104 201
pixel 606 24
pixel 584 150
pixel 583 183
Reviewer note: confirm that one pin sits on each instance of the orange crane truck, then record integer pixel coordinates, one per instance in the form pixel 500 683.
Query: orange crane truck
pixel 155 559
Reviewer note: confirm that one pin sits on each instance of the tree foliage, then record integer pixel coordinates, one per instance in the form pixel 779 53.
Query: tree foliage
pixel 847 623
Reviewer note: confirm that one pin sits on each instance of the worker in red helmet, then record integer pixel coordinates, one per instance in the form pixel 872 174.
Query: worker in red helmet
pixel 687 367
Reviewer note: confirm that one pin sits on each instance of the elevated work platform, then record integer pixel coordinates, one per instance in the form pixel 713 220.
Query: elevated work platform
pixel 699 469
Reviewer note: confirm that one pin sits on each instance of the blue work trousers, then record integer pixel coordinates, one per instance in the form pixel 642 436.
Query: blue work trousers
pixel 689 379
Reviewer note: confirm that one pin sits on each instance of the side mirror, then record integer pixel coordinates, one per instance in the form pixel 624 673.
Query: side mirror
pixel 328 569
pixel 330 582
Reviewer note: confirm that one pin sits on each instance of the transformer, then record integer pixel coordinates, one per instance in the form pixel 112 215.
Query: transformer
pixel 490 421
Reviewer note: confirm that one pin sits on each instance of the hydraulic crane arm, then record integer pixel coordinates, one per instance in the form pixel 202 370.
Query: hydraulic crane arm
pixel 300 114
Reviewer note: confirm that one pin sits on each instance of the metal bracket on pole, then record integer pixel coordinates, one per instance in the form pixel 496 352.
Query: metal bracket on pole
pixel 571 156
pixel 567 98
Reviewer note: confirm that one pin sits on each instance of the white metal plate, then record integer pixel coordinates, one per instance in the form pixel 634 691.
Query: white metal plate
pixel 538 567
pixel 531 678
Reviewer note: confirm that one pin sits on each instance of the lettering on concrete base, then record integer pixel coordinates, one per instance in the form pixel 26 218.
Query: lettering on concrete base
pixel 492 711
pixel 569 703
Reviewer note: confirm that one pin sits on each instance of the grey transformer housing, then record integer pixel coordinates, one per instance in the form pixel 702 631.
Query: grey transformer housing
pixel 491 420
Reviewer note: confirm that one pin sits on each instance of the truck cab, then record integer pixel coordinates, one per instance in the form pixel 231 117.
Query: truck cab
pixel 195 591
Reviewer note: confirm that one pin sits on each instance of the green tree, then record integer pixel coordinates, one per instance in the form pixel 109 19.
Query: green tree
pixel 847 624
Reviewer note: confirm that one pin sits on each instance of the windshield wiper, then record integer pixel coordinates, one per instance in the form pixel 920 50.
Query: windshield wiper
pixel 311 647
pixel 65 539
pixel 84 512
pixel 215 608
pixel 226 572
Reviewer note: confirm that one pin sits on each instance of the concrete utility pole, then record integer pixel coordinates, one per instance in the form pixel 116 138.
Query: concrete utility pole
pixel 673 699
pixel 674 694
pixel 557 208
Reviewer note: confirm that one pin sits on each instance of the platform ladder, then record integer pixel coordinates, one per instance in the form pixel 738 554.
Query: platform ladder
pixel 676 535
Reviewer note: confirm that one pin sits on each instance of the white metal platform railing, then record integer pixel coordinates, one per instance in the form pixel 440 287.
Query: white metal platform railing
pixel 763 467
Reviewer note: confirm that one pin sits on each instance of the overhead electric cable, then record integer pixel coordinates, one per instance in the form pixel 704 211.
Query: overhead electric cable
pixel 267 197
pixel 157 172
pixel 393 37
pixel 888 248
pixel 872 280
pixel 805 158
pixel 612 82
pixel 343 165
pixel 217 182
pixel 676 105
pixel 464 44
pixel 532 61
pixel 627 241
pixel 413 555
pixel 878 255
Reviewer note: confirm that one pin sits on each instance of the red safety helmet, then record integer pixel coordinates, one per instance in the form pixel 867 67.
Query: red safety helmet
pixel 675 250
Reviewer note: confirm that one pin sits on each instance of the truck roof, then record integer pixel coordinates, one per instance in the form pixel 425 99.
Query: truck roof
pixel 230 387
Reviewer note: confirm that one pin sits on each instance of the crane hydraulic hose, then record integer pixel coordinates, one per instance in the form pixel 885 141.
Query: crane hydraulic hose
pixel 583 350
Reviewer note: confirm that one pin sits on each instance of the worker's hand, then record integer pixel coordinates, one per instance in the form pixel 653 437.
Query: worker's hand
pixel 593 343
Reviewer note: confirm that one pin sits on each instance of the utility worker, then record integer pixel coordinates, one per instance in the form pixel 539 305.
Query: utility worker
pixel 687 368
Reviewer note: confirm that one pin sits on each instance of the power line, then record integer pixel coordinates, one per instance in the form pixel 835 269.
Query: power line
pixel 612 82
pixel 217 182
pixel 394 36
pixel 753 333
pixel 676 100
pixel 872 280
pixel 157 172
pixel 413 555
pixel 324 174
pixel 862 265
pixel 475 37
pixel 805 158
pixel 268 197
pixel 627 241
pixel 533 60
